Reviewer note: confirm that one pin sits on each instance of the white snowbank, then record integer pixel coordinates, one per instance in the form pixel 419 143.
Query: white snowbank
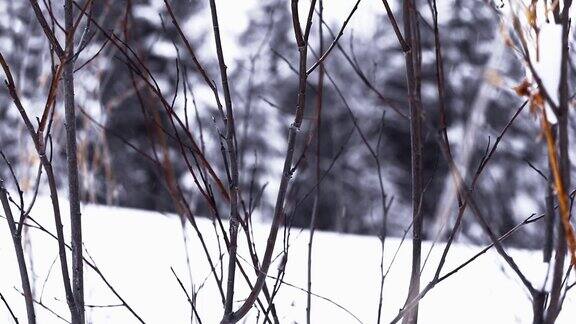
pixel 135 250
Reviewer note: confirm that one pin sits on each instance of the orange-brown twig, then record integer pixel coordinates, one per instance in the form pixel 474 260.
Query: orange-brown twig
pixel 560 189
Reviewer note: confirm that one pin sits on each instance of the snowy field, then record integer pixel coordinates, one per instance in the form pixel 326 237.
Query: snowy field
pixel 135 250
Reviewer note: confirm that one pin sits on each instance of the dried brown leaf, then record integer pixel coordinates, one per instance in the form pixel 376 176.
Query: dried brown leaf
pixel 523 89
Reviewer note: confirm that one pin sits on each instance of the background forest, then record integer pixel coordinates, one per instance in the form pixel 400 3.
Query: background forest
pixel 480 74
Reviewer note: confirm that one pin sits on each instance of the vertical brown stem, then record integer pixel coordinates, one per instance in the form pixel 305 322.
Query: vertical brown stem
pixel 316 207
pixel 17 240
pixel 286 173
pixel 561 170
pixel 563 132
pixel 550 214
pixel 72 164
pixel 383 233
pixel 233 162
pixel 411 35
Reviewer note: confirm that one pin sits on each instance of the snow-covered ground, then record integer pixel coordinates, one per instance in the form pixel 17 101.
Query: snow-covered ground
pixel 135 250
